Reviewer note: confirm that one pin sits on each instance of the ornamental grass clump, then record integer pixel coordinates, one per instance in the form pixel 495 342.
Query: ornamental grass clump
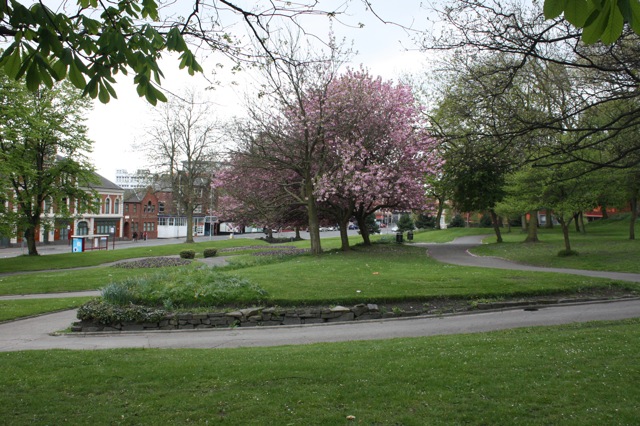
pixel 184 288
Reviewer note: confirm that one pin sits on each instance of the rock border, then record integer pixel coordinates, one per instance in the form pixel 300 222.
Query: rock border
pixel 273 316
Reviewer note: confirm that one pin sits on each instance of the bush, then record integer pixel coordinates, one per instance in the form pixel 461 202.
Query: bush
pixel 105 313
pixel 457 222
pixel 485 221
pixel 210 252
pixel 188 254
pixel 405 223
pixel 425 221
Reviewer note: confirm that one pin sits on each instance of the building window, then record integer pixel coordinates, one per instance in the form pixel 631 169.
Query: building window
pixel 162 221
pixel 83 228
pixel 160 206
pixel 126 208
pixel 135 208
pixel 116 206
pixel 107 205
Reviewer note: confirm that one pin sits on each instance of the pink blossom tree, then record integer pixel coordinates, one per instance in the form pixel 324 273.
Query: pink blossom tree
pixel 381 153
pixel 346 146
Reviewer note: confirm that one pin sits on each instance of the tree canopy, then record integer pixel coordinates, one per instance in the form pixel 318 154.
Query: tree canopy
pixel 43 164
pixel 89 42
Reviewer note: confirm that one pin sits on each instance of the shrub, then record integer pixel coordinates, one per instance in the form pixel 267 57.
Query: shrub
pixel 457 222
pixel 486 221
pixel 405 223
pixel 105 313
pixel 210 252
pixel 188 254
pixel 425 221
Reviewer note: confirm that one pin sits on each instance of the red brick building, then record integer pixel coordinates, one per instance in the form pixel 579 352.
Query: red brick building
pixel 140 214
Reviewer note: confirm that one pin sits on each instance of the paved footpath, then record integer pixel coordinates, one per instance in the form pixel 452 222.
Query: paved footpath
pixel 457 253
pixel 35 334
pixel 40 332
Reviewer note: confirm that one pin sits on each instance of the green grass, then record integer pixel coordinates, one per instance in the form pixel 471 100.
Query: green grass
pixel 385 273
pixel 605 247
pixel 447 235
pixel 93 258
pixel 584 374
pixel 13 309
pixel 61 281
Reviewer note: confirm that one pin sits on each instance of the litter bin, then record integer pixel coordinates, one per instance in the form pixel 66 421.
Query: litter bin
pixel 398 237
pixel 410 236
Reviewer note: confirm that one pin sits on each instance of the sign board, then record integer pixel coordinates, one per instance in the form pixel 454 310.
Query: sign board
pixel 77 245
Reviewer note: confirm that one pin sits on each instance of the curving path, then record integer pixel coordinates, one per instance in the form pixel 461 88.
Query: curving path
pixel 457 253
pixel 40 332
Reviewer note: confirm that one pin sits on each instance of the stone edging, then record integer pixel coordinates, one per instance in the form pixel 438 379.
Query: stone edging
pixel 255 317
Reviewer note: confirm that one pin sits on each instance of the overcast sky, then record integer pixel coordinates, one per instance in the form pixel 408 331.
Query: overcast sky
pixel 119 128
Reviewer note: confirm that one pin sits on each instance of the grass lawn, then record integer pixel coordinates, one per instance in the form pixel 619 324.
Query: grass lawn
pixel 78 260
pixel 584 374
pixel 605 247
pixel 387 273
pixel 12 309
pixel 447 235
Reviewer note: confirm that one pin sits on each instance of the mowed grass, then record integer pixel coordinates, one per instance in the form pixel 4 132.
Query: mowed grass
pixel 604 247
pixel 447 235
pixel 584 374
pixel 12 309
pixel 385 273
pixel 99 257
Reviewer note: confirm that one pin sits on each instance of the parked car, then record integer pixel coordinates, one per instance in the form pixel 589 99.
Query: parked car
pixel 353 227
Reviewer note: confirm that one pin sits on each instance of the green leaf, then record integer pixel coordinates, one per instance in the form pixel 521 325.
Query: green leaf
pixel 59 70
pixel 634 15
pixel 103 95
pixel 13 63
pixel 150 95
pixel 33 77
pixel 76 76
pixel 594 30
pixel 615 25
pixel 554 8
pixel 577 12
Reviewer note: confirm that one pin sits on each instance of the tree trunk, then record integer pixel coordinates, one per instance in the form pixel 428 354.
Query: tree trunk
pixel 603 210
pixel 532 228
pixel 549 224
pixel 634 218
pixel 314 223
pixel 364 231
pixel 30 236
pixel 523 222
pixel 189 212
pixel 439 213
pixel 298 237
pixel 576 218
pixel 583 228
pixel 496 225
pixel 344 234
pixel 565 234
